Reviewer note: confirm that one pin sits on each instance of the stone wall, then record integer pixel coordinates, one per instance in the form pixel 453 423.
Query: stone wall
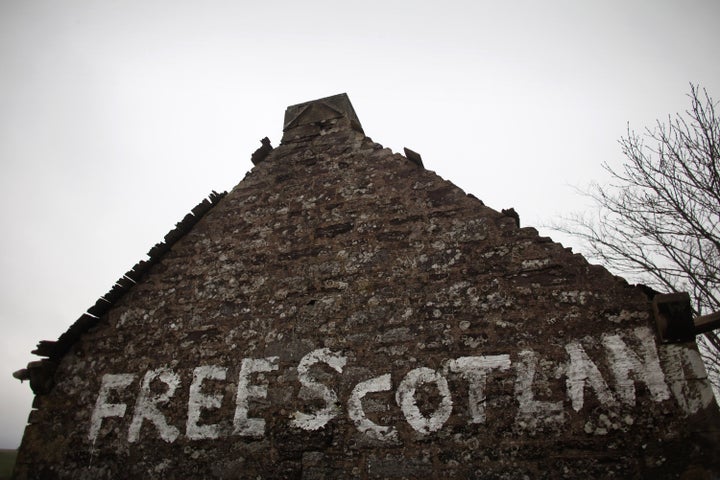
pixel 345 313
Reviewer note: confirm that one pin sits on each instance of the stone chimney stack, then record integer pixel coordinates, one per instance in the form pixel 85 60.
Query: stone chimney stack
pixel 318 117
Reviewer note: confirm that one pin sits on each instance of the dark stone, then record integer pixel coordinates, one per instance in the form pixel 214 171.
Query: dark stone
pixel 674 317
pixel 510 212
pixel 261 153
pixel 413 157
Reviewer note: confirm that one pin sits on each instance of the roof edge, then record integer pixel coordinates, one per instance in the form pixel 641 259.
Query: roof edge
pixel 40 372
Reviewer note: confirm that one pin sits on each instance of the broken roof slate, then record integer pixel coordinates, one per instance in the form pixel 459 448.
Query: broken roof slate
pixel 40 372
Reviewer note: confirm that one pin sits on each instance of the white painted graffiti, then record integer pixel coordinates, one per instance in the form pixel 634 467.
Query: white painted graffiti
pixel 683 378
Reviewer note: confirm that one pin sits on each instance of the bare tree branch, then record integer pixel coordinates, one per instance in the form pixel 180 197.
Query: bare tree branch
pixel 658 220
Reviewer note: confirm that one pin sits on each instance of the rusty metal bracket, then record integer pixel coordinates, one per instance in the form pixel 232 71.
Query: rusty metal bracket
pixel 707 323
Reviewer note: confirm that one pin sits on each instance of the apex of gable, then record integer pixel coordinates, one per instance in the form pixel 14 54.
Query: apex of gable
pixel 311 117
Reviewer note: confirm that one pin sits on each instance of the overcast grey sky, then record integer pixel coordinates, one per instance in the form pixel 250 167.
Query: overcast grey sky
pixel 117 117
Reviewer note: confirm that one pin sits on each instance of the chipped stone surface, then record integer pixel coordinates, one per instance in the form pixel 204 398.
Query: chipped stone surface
pixel 344 313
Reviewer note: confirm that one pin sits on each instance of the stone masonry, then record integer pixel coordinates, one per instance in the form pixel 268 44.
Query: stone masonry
pixel 345 313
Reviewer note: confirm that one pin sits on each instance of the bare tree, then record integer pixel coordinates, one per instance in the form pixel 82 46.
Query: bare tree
pixel 658 221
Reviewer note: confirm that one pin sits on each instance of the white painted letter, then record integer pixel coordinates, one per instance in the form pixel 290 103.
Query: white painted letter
pixel 147 402
pixel 475 370
pixel 405 398
pixel 686 374
pixel 623 361
pixel 104 409
pixel 357 413
pixel 252 427
pixel 531 411
pixel 582 370
pixel 312 389
pixel 199 401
